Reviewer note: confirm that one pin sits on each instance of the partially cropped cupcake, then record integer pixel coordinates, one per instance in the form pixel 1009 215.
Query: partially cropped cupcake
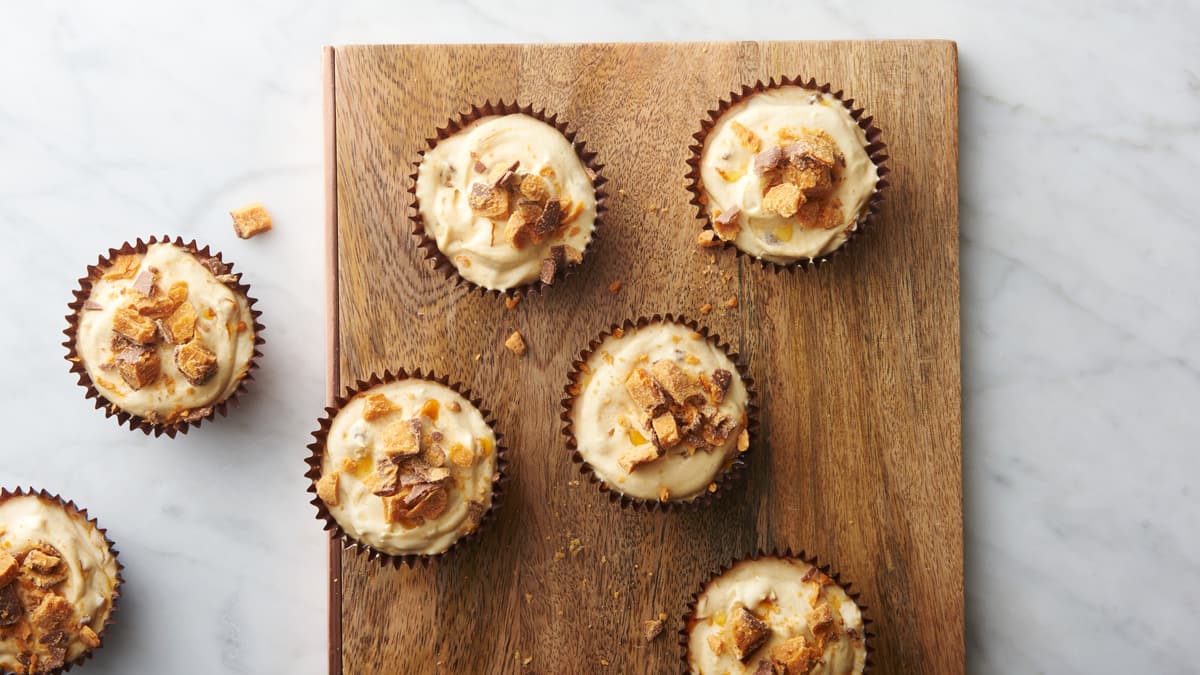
pixel 407 468
pixel 506 199
pixel 163 333
pixel 787 173
pixel 59 579
pixel 775 616
pixel 658 411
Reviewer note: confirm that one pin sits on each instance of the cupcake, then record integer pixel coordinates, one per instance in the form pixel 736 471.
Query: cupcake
pixel 658 411
pixel 787 173
pixel 59 578
pixel 507 198
pixel 775 615
pixel 163 334
pixel 406 467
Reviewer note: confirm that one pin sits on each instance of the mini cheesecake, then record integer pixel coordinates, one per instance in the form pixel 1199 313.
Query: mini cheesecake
pixel 786 175
pixel 660 413
pixel 165 335
pixel 408 467
pixel 58 583
pixel 775 616
pixel 508 201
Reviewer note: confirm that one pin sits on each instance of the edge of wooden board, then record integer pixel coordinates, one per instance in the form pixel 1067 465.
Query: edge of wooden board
pixel 332 347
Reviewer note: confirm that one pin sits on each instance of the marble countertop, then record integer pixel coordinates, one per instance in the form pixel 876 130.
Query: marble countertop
pixel 1080 133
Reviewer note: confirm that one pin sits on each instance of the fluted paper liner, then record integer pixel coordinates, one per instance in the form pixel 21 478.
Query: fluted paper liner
pixel 317 453
pixel 875 148
pixel 112 409
pixel 457 124
pixel 785 554
pixel 75 512
pixel 723 479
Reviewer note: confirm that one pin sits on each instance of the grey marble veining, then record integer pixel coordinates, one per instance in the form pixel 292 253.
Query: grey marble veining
pixel 1080 143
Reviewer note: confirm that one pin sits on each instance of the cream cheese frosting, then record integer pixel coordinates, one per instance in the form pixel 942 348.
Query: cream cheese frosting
pixel 730 181
pixel 357 446
pixel 608 424
pixel 789 596
pixel 223 325
pixel 476 244
pixel 89 565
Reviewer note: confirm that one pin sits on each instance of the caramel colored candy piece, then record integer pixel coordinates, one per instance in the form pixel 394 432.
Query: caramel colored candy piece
pixel 794 656
pixel 534 187
pixel 164 304
pixel 433 505
pixel 678 384
pixel 250 220
pixel 516 344
pixel 123 267
pixel 665 431
pixel 518 231
pixel 783 199
pixel 402 438
pixel 327 488
pixel 376 406
pixel 820 622
pixel 180 327
pixel 748 139
pixel 8 569
pixel 88 637
pixel 139 367
pixel 728 223
pixel 638 455
pixel 644 391
pixel 52 613
pixel 747 632
pixel 131 325
pixel 196 362
pixel 488 201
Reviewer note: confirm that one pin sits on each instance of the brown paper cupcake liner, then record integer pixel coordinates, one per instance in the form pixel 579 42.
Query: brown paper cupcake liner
pixel 876 150
pixel 317 453
pixel 725 478
pixel 427 243
pixel 74 510
pixel 690 609
pixel 111 409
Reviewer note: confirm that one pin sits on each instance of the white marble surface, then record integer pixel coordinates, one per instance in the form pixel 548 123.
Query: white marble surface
pixel 1081 300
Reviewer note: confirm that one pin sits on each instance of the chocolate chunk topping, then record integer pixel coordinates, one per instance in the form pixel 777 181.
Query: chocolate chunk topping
pixel 506 176
pixel 549 220
pixel 418 491
pixel 551 265
pixel 480 167
pixel 730 216
pixel 10 605
pixel 768 159
pixel 722 379
pixel 387 478
pixel 92 305
pixel 144 283
pixel 56 638
pixel 549 269
pixel 475 511
pixel 213 265
pixel 198 414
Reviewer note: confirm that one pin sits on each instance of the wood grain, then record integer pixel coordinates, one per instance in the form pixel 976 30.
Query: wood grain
pixel 857 363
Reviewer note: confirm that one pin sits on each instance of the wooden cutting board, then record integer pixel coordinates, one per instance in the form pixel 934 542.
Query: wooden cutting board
pixel 857 363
